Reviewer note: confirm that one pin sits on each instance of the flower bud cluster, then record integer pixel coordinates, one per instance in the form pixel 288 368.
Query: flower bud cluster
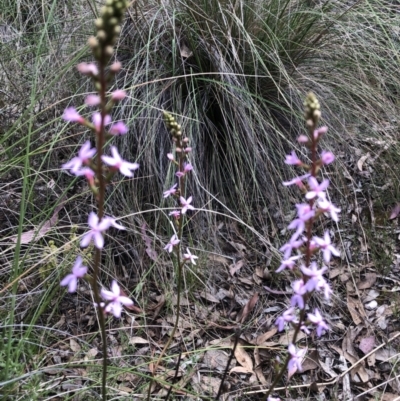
pixel 108 28
pixel 300 253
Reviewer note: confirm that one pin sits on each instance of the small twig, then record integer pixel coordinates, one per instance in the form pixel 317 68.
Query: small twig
pixel 176 375
pixel 237 336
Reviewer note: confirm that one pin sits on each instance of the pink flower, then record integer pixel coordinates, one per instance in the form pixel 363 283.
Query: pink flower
pixel 71 115
pixel 293 243
pixel 317 190
pixel 304 213
pixel 88 173
pixel 170 191
pixel 186 204
pixel 296 181
pixel 118 128
pixel 327 157
pixel 170 156
pixel 96 230
pixel 320 131
pixel 316 280
pixel 84 155
pixel 296 357
pixel 92 100
pixel 302 139
pixel 189 256
pixel 326 246
pixel 87 69
pixel 96 120
pixel 187 167
pixel 71 280
pixel 175 213
pixel 118 94
pixel 292 159
pixel 172 242
pixel 299 290
pixel 288 263
pixel 116 299
pixel 327 207
pixel 316 319
pixel 117 162
pixel 188 149
pixel 287 316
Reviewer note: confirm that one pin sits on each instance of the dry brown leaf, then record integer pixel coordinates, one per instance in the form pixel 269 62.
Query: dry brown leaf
pixel 216 359
pixel 243 358
pixel 137 340
pixel 234 267
pixel 257 368
pixel 311 361
pixel 209 297
pixel 28 236
pixel 244 313
pixel 266 336
pixel 286 338
pixel 74 345
pixel 185 51
pixel 368 282
pixel 356 310
pixel 361 161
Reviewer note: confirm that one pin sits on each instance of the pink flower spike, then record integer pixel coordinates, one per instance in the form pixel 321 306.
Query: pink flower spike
pixel 172 242
pixel 288 263
pixel 292 159
pixel 116 299
pixel 327 157
pixel 317 190
pixel 296 358
pixel 84 155
pixel 118 94
pixel 87 69
pixel 119 128
pixel 317 319
pixel 71 115
pixel 92 100
pixel 186 204
pixel 189 256
pixel 117 162
pixel 296 181
pixel 71 280
pixel 170 191
pixel 328 207
pixel 326 246
pixel 96 229
pixel 96 120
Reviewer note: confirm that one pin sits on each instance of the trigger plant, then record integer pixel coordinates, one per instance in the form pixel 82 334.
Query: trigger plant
pixel 99 168
pixel 301 253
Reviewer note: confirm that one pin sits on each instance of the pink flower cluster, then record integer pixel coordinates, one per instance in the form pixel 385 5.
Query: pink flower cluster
pixel 184 167
pixel 83 165
pixel 306 246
